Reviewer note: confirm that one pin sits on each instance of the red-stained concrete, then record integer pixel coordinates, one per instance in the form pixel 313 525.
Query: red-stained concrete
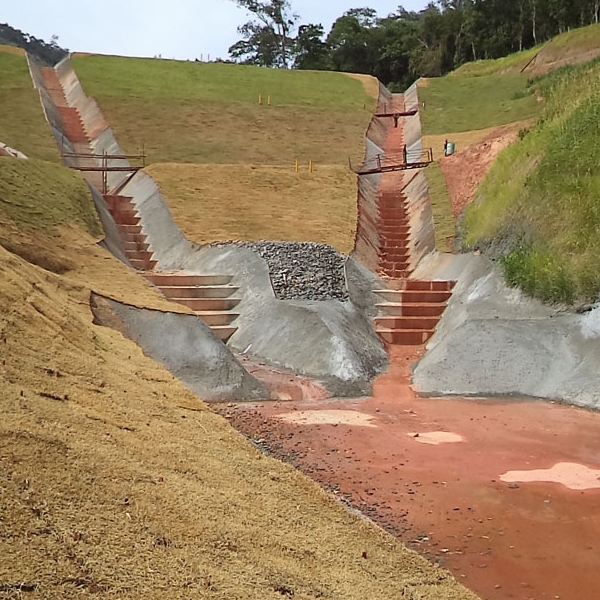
pixel 503 540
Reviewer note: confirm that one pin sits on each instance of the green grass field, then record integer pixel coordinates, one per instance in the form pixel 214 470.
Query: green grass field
pixel 28 133
pixel 458 103
pixel 210 113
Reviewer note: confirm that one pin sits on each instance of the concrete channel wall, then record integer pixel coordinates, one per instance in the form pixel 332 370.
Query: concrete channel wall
pixel 50 109
pixel 411 184
pixel 330 340
pixel 422 228
pixel 494 340
pixel 102 139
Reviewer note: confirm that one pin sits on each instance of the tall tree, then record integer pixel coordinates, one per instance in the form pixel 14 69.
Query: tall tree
pixel 310 51
pixel 273 22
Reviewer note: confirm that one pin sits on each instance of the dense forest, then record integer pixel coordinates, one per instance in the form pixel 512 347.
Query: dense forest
pixel 47 53
pixel 404 45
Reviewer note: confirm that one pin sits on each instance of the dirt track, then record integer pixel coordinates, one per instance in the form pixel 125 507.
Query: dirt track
pixel 465 170
pixel 430 471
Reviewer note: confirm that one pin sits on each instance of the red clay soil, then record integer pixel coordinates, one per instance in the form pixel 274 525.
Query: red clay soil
pixel 465 170
pixel 502 539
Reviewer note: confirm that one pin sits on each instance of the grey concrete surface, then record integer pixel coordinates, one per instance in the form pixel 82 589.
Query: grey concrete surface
pixel 186 346
pixel 112 239
pixel 493 340
pixel 331 341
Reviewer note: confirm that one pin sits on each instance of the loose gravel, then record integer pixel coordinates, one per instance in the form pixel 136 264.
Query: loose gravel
pixel 302 270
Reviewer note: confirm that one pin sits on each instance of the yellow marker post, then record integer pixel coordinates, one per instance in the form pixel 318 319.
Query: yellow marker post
pixel 310 166
pixel 260 98
pixel 269 100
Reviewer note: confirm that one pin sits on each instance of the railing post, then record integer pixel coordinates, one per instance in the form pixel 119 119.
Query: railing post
pixel 104 174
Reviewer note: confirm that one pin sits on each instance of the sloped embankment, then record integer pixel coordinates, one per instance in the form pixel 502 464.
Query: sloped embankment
pixel 538 208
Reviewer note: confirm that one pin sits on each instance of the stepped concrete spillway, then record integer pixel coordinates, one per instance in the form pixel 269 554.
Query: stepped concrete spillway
pixel 332 341
pixel 396 285
pixel 395 226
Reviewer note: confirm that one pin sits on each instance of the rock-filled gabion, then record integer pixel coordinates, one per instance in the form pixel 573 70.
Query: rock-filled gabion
pixel 303 270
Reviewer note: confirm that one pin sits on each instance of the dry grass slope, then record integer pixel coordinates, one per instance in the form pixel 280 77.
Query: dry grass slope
pixel 243 202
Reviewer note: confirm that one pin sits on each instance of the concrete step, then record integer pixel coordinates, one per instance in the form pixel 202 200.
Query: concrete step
pixel 429 285
pixel 125 217
pixel 139 255
pixel 391 213
pixel 415 323
pixel 397 225
pixel 394 274
pixel 73 127
pixel 425 296
pixel 393 242
pixel 133 238
pixel 408 309
pixel 172 279
pixel 142 265
pixel 404 337
pixel 393 266
pixel 391 196
pixel 53 86
pixel 116 201
pixel 217 317
pixel 393 233
pixel 224 332
pixel 212 304
pixel 394 254
pixel 199 291
pixel 136 246
pixel 127 228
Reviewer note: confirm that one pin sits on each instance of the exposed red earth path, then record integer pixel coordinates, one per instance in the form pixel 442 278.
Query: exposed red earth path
pixel 503 539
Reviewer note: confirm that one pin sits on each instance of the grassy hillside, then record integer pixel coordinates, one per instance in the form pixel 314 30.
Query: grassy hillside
pixel 273 203
pixel 209 115
pixel 29 133
pixel 469 103
pixel 539 207
pixel 462 102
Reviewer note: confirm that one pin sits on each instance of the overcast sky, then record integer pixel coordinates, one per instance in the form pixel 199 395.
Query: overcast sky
pixel 182 29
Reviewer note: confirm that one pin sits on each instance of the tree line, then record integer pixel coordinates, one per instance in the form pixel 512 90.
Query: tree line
pixel 48 53
pixel 405 45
